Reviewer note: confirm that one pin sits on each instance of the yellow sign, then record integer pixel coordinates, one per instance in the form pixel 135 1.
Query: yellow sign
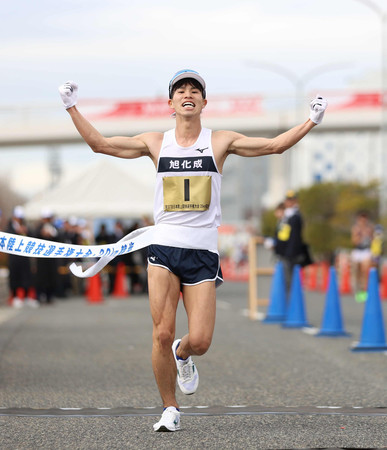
pixel 191 193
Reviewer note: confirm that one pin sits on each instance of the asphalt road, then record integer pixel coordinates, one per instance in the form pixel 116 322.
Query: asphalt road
pixel 78 376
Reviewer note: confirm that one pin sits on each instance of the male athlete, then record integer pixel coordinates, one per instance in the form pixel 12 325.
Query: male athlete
pixel 189 162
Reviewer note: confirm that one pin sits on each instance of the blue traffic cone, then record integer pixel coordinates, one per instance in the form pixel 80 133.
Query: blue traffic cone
pixel 295 314
pixel 372 338
pixel 332 323
pixel 276 312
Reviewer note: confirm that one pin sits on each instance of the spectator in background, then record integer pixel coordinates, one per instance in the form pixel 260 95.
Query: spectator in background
pixel 377 247
pixel 20 273
pixel 136 263
pixel 118 234
pixel 103 237
pixel 361 234
pixel 46 268
pixel 291 247
pixel 279 215
pixel 67 235
pixel 75 233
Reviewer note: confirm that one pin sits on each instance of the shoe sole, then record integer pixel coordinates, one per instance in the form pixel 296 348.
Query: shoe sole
pixel 185 392
pixel 164 429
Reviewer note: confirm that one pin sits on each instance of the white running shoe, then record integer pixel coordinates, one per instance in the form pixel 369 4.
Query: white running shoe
pixel 187 374
pixel 170 420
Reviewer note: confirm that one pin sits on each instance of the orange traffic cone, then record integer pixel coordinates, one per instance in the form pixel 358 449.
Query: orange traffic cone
pixel 383 287
pixel 18 300
pixel 312 279
pixel 94 289
pixel 345 284
pixel 120 288
pixel 324 277
pixel 20 293
pixel 32 293
pixel 302 276
pixel 306 275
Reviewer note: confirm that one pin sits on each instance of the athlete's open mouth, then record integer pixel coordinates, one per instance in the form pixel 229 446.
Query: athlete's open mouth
pixel 188 104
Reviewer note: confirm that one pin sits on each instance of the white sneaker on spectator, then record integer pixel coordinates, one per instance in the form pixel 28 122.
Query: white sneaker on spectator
pixel 32 303
pixel 170 420
pixel 17 303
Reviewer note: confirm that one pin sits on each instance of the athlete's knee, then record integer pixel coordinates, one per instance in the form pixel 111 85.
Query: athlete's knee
pixel 163 337
pixel 199 344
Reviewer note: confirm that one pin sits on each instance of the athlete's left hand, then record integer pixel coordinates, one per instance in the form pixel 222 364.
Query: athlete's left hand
pixel 317 109
pixel 69 94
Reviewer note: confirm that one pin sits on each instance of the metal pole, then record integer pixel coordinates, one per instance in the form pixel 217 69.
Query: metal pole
pixel 383 130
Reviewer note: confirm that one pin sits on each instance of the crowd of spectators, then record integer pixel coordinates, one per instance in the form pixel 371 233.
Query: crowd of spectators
pixel 36 281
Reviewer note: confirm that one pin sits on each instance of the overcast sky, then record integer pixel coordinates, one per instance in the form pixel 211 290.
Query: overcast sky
pixel 131 48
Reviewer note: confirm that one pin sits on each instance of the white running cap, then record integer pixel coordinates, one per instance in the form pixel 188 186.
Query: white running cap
pixel 186 73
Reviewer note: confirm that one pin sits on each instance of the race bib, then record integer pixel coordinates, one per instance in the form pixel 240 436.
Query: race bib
pixel 284 232
pixel 192 193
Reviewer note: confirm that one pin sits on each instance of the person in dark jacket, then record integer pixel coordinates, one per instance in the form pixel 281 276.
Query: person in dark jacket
pixel 290 244
pixel 46 268
pixel 20 273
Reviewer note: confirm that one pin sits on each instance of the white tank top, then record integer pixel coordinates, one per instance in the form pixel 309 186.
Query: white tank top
pixel 187 191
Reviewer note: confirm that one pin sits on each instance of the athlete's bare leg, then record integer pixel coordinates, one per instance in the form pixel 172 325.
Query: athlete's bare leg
pixel 200 305
pixel 164 292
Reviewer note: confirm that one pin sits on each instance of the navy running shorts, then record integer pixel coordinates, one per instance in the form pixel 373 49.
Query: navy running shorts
pixel 190 265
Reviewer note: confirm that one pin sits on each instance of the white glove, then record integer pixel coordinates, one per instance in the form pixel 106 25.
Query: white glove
pixel 317 109
pixel 69 94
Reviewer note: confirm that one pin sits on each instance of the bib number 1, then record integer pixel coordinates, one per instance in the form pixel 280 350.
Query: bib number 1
pixel 191 193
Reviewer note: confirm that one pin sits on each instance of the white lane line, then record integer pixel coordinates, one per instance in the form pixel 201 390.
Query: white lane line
pixel 330 407
pixel 70 409
pixel 236 406
pixel 199 410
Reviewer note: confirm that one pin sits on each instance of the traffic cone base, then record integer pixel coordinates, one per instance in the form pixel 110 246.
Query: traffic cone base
pixel 274 319
pixel 332 333
pixel 358 347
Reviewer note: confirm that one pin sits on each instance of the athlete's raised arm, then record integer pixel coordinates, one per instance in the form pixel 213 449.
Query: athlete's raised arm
pixel 229 142
pixel 120 146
